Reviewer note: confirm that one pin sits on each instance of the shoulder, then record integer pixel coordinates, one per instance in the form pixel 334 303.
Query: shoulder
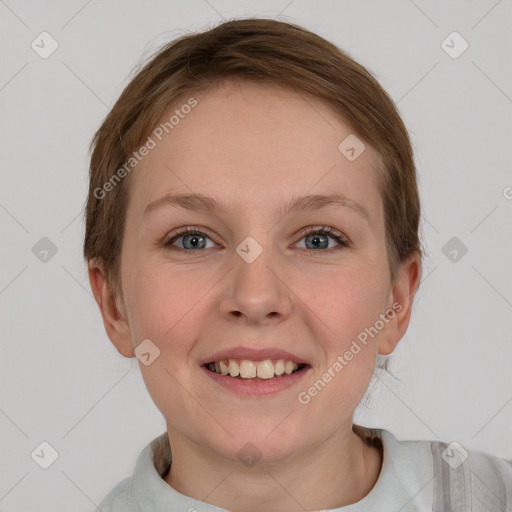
pixel 443 476
pixel 144 486
pixel 471 478
pixel 118 499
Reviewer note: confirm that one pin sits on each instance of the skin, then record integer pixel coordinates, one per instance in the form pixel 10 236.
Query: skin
pixel 253 148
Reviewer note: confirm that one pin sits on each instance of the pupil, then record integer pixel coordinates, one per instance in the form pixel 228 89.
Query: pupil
pixel 318 239
pixel 194 240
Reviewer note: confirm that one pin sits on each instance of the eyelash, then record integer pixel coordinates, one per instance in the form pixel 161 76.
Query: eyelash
pixel 319 230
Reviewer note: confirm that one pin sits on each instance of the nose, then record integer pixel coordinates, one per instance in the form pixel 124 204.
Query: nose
pixel 256 292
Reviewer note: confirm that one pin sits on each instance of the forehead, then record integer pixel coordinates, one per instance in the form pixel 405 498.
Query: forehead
pixel 249 144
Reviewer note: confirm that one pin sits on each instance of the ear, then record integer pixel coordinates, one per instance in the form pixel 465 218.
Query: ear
pixel 400 302
pixel 112 311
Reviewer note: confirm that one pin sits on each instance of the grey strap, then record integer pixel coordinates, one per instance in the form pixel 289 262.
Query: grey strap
pixel 478 483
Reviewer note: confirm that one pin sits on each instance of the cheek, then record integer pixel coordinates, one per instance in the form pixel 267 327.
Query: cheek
pixel 347 300
pixel 165 308
pixel 165 300
pixel 350 308
pixel 156 301
pixel 352 304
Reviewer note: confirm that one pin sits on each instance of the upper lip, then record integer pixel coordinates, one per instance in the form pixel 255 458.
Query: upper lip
pixel 252 354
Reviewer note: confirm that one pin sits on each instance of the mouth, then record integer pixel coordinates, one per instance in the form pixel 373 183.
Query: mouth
pixel 249 370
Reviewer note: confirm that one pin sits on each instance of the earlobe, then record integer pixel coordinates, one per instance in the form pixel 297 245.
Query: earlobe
pixel 401 301
pixel 114 318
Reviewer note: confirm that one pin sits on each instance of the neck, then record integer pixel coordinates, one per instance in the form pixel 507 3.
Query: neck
pixel 341 471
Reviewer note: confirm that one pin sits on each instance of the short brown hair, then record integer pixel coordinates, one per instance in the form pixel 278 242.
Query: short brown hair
pixel 263 51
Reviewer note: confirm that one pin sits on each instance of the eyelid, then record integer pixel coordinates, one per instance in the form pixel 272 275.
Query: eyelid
pixel 186 230
pixel 329 231
pixel 340 237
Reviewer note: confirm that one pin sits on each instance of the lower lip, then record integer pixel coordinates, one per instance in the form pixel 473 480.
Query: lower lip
pixel 257 387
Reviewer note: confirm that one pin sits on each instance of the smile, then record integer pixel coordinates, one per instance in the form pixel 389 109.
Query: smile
pixel 260 370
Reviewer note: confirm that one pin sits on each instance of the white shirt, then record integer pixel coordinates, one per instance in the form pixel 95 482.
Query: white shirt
pixel 416 476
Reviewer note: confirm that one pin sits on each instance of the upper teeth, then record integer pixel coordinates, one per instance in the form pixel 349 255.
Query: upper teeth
pixel 250 369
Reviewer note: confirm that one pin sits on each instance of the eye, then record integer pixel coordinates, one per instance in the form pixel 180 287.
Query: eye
pixel 318 238
pixel 192 238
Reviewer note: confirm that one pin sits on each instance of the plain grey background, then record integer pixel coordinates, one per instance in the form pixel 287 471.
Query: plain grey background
pixel 63 382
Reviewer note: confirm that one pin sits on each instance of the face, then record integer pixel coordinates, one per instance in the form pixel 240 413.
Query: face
pixel 253 280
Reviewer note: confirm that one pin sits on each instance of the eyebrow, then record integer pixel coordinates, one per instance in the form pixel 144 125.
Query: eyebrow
pixel 201 202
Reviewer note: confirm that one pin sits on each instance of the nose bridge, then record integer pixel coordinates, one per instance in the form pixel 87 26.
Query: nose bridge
pixel 256 291
pixel 253 276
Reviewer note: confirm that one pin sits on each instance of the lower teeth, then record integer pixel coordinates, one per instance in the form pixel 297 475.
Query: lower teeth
pixel 254 378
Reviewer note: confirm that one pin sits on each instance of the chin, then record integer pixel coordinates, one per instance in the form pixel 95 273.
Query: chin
pixel 259 444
